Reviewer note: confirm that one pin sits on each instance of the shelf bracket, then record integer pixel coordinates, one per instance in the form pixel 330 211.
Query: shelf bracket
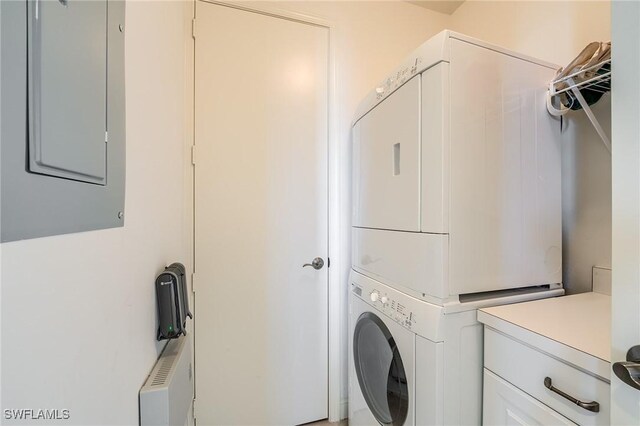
pixel 590 115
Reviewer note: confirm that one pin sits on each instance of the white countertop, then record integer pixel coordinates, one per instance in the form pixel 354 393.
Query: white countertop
pixel 574 328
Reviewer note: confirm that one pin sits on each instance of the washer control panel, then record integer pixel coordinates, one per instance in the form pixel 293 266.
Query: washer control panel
pixel 393 308
pixel 422 318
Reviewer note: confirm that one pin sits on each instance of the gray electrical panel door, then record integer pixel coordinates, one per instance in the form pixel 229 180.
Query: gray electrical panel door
pixel 62 146
pixel 68 89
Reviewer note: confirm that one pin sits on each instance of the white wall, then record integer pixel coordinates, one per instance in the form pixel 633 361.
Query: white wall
pixel 552 30
pixel 557 31
pixel 78 311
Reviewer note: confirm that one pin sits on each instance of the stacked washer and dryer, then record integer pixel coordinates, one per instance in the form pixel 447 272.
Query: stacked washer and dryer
pixel 456 206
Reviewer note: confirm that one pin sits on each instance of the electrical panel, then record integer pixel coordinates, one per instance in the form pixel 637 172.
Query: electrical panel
pixel 63 117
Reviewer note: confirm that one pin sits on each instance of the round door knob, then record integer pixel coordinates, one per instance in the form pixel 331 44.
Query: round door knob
pixel 316 263
pixel 384 299
pixel 374 296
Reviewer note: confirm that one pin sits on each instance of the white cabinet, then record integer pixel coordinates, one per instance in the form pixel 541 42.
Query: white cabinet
pixel 548 358
pixel 529 368
pixel 504 404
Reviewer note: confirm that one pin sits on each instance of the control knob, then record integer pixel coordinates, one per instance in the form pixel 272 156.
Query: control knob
pixel 384 299
pixel 374 296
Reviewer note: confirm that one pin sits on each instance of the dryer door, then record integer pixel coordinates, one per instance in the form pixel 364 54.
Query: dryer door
pixel 380 370
pixel 386 163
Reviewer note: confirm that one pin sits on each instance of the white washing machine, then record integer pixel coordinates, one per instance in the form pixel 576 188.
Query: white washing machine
pixel 415 363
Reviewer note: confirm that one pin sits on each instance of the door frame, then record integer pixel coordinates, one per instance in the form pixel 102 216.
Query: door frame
pixel 625 161
pixel 337 320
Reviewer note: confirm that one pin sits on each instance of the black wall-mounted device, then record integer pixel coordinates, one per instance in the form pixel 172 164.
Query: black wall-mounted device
pixel 173 302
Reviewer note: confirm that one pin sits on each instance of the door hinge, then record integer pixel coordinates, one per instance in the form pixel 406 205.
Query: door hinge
pixel 193 282
pixel 193 407
pixel 106 136
pixel 328 262
pixel 193 155
pixel 193 28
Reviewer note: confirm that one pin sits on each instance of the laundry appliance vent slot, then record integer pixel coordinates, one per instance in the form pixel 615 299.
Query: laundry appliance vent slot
pixel 472 297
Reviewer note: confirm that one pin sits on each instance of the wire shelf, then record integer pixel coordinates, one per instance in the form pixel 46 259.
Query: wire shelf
pixel 595 79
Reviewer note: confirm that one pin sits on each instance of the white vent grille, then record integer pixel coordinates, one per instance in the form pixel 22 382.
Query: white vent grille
pixel 167 394
pixel 165 365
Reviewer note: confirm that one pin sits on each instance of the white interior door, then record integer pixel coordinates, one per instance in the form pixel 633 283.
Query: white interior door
pixel 625 63
pixel 261 99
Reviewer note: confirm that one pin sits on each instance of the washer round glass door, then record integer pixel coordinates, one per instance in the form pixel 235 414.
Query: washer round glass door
pixel 380 370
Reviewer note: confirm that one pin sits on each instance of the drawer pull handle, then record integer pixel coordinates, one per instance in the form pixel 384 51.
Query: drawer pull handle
pixel 589 406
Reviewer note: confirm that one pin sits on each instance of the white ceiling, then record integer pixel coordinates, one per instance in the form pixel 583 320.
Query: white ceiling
pixel 447 6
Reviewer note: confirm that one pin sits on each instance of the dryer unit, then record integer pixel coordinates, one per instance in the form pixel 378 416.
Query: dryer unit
pixel 456 173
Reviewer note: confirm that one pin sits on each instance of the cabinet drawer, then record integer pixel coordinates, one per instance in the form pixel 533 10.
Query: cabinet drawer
pixel 409 261
pixel 504 404
pixel 526 368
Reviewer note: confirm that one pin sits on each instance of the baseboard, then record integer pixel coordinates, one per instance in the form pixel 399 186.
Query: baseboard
pixel 344 409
